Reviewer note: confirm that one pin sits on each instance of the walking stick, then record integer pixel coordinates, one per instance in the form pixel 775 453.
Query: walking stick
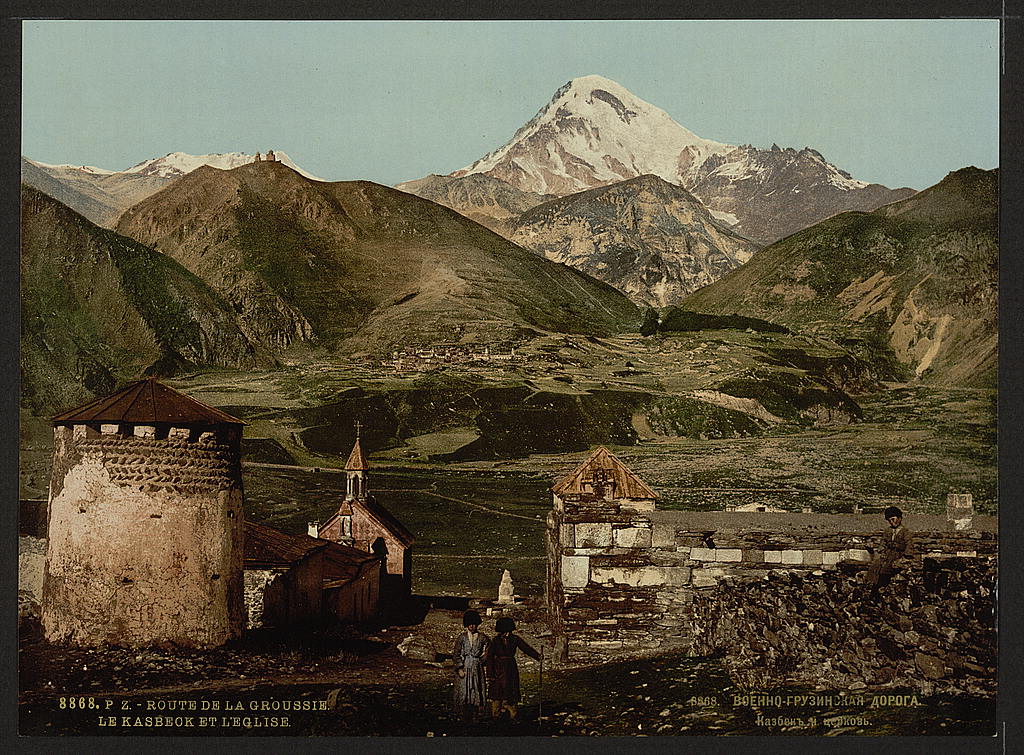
pixel 540 693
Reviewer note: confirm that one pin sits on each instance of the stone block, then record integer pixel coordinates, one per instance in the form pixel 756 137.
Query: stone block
pixel 109 429
pixel 632 537
pixel 728 554
pixel 858 554
pixel 830 558
pixel 792 557
pixel 605 644
pixel 702 581
pixel 756 557
pixel 79 431
pixel 602 622
pixel 773 557
pixel 144 431
pixel 575 571
pixel 813 557
pixel 642 576
pixel 178 432
pixel 703 554
pixel 663 536
pixel 566 536
pixel 594 535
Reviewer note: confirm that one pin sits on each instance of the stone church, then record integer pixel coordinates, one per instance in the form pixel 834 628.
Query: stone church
pixel 363 523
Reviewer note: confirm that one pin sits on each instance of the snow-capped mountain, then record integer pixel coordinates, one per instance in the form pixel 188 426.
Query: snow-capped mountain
pixel 594 132
pixel 102 195
pixel 176 164
pixel 83 168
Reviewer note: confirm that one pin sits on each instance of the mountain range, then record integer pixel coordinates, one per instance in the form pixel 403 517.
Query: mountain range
pixel 594 132
pixel 102 195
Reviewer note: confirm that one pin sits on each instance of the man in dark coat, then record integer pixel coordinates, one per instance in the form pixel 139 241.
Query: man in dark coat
pixel 895 545
pixel 502 669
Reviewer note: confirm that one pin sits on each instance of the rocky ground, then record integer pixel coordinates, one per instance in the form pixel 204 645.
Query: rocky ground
pixel 367 687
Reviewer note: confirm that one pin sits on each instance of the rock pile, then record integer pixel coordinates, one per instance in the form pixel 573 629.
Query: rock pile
pixel 932 629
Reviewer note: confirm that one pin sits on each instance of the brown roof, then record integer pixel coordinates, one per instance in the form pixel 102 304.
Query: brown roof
pixel 343 563
pixel 377 513
pixel 265 546
pixel 356 461
pixel 627 484
pixel 386 519
pixel 148 401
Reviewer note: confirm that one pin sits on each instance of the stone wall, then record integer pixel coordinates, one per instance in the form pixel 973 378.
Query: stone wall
pixel 777 594
pixel 280 597
pixel 145 538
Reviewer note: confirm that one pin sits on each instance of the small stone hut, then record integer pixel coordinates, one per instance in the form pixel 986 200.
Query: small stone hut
pixel 363 523
pixel 145 522
pixel 296 580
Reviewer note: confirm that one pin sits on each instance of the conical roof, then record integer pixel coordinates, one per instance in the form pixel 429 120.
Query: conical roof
pixel 145 402
pixel 356 461
pixel 627 484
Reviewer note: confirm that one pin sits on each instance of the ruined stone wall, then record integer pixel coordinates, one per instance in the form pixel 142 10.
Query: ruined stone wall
pixel 770 590
pixel 932 629
pixel 264 594
pixel 145 537
pixel 279 597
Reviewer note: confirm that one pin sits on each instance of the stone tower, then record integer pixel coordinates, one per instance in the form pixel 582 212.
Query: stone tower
pixel 145 522
pixel 271 157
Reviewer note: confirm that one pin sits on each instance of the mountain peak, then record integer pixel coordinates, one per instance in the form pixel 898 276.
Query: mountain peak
pixel 593 132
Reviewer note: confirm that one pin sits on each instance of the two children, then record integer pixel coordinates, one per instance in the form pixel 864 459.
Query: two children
pixel 488 668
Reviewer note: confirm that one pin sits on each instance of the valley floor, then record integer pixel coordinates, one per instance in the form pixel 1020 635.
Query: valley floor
pixel 367 688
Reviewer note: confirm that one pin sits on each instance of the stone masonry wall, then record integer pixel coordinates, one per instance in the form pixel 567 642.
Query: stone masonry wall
pixel 778 594
pixel 145 539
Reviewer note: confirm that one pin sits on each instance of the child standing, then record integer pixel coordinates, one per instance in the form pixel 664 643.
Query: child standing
pixel 468 656
pixel 502 669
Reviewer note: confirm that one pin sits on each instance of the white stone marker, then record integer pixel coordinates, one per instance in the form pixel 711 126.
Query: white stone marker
pixel 506 592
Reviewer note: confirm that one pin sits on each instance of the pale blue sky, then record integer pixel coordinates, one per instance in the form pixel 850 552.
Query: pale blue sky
pixel 897 102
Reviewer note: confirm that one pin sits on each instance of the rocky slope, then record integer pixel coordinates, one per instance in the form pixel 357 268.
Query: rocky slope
pixel 98 309
pixel 485 199
pixel 97 196
pixel 594 132
pixel 650 239
pixel 356 265
pixel 102 195
pixel 916 279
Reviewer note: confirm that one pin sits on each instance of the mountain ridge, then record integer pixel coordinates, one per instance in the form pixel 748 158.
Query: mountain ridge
pixel 355 264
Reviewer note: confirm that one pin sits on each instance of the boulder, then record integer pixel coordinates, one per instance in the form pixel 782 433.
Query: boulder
pixel 417 648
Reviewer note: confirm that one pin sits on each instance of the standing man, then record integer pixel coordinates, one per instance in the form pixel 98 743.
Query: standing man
pixel 895 545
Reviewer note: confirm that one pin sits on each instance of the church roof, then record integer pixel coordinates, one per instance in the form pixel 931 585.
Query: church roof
pixel 378 514
pixel 385 518
pixel 627 484
pixel 356 461
pixel 145 402
pixel 265 546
